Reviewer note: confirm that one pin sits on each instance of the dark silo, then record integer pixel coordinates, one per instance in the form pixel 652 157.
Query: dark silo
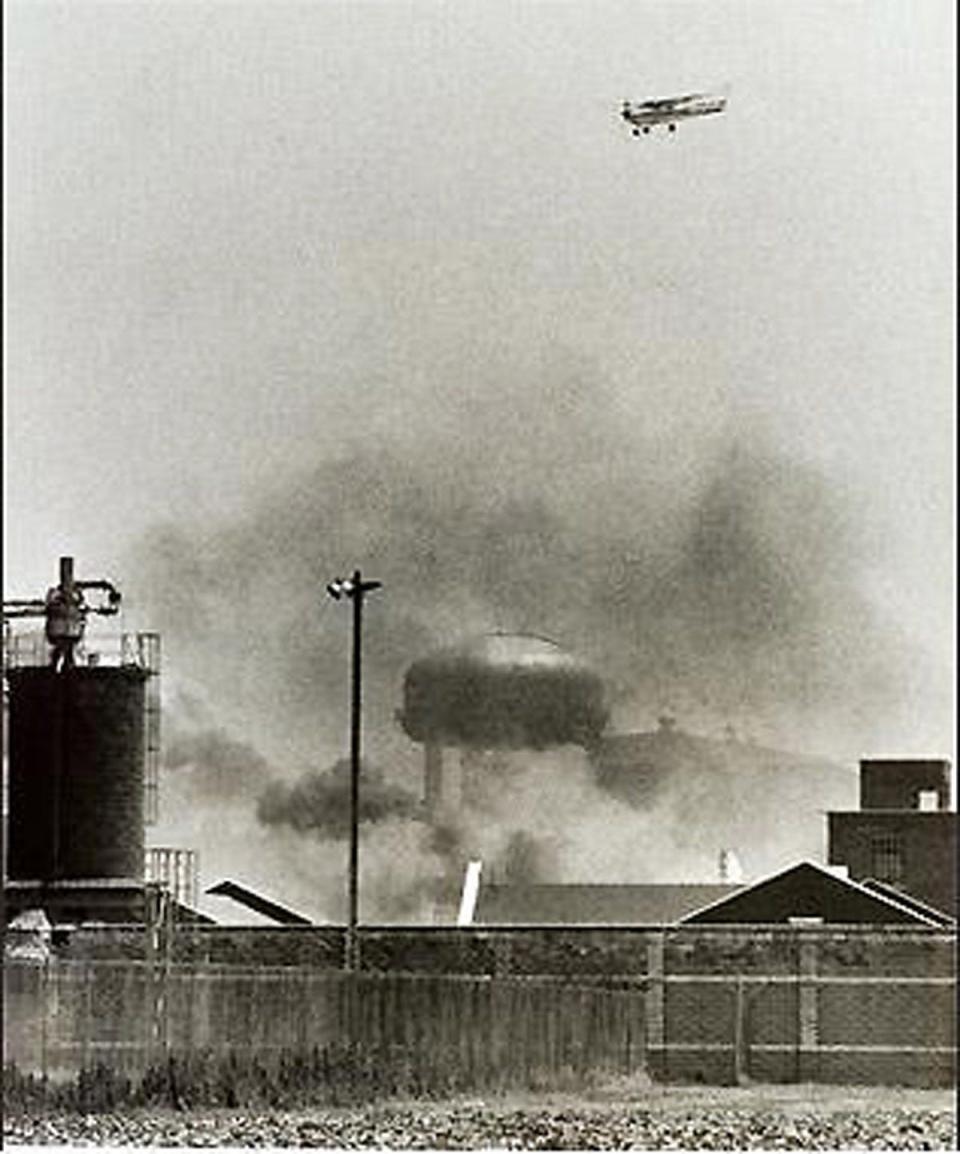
pixel 76 775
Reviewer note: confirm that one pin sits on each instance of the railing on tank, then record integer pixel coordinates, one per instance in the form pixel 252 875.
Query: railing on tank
pixel 176 870
pixel 29 647
pixel 24 649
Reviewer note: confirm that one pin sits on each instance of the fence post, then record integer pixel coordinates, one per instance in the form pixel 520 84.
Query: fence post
pixel 808 1034
pixel 655 999
pixel 44 986
pixel 634 1037
pixel 87 1017
pixel 741 1043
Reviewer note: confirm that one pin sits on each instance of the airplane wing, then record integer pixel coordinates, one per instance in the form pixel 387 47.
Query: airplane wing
pixel 666 103
pixel 655 105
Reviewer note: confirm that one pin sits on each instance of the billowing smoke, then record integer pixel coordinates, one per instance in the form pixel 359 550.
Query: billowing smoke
pixel 217 764
pixel 285 838
pixel 319 803
pixel 714 575
pixel 528 858
pixel 540 817
pixel 739 603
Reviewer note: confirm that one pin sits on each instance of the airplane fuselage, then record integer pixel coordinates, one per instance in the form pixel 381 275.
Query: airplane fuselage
pixel 643 115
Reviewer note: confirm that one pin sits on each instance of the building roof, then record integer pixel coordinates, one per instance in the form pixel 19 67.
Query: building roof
pixel 908 900
pixel 187 914
pixel 808 890
pixel 261 905
pixel 594 904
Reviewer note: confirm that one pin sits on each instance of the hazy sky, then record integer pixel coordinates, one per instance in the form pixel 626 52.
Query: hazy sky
pixel 245 240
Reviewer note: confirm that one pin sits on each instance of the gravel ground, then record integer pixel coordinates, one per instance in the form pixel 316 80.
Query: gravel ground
pixel 661 1119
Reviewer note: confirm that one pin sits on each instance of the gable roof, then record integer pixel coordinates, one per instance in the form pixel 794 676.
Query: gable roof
pixel 593 904
pixel 808 890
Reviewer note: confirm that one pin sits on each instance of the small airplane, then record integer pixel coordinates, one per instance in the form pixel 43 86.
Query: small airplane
pixel 643 115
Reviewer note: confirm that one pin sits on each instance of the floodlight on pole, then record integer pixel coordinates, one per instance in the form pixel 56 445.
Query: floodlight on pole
pixel 354 588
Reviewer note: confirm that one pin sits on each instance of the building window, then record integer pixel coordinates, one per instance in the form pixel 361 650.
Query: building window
pixel 886 858
pixel 928 800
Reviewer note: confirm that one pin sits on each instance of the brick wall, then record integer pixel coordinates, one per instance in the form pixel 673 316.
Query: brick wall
pixel 928 843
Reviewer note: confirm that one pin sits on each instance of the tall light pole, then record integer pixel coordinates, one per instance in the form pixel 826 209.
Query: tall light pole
pixel 354 588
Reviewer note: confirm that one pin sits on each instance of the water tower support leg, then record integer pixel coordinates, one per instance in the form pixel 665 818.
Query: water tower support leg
pixel 433 779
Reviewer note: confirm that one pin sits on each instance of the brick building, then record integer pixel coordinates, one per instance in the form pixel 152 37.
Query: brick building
pixel 904 834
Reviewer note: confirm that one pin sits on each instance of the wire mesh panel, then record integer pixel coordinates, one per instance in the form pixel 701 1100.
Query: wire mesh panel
pixel 700 1012
pixel 884 1014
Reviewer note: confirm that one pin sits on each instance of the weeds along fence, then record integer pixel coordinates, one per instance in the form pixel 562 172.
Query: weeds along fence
pixel 553 1008
pixel 289 1028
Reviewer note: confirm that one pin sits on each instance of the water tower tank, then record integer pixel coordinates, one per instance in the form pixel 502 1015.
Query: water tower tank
pixel 503 690
pixel 76 775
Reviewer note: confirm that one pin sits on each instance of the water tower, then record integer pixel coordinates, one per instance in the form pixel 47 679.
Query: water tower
pixel 496 691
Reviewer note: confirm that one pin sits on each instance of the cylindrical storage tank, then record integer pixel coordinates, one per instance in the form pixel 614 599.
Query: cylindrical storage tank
pixel 76 774
pixel 503 690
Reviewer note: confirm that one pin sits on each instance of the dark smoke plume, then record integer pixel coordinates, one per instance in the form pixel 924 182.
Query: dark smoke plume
pixel 218 766
pixel 738 602
pixel 717 578
pixel 319 803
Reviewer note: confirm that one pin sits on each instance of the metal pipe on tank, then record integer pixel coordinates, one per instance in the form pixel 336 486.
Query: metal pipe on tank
pixel 65 617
